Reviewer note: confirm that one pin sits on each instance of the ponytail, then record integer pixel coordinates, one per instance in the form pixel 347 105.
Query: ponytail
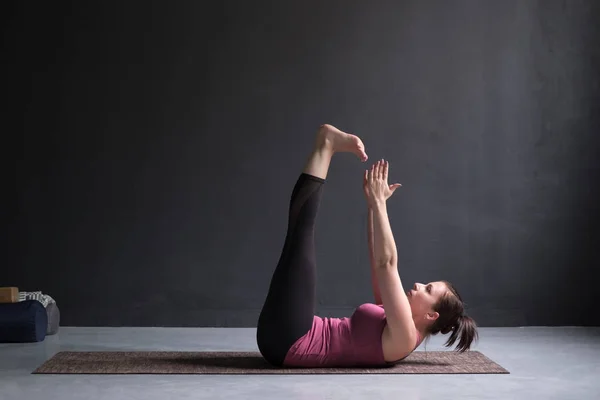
pixel 465 330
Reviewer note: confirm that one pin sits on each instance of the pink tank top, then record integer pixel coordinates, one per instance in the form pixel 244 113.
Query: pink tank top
pixel 340 342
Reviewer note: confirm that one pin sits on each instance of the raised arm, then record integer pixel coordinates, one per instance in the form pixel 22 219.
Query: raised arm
pixel 397 308
pixel 372 198
pixel 370 239
pixel 385 252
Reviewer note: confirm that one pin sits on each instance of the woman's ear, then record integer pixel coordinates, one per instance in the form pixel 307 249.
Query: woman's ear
pixel 432 316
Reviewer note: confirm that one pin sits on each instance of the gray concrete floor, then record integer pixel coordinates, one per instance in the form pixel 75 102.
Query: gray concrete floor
pixel 545 363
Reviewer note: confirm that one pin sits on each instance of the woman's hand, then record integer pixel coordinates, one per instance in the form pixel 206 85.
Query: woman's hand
pixel 375 183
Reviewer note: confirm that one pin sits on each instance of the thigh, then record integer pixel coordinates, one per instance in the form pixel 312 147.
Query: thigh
pixel 286 316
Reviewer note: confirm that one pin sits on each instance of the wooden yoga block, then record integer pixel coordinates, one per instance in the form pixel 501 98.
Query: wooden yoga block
pixel 9 294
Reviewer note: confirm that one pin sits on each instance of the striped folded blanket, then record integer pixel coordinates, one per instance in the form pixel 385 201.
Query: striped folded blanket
pixel 39 296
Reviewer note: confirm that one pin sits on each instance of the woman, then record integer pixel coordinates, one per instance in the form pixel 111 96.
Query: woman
pixel 289 334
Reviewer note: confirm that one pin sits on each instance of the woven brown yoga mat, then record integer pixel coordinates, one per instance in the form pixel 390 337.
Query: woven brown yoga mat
pixel 154 362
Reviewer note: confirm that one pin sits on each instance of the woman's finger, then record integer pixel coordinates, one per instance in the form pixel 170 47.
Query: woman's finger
pixel 386 167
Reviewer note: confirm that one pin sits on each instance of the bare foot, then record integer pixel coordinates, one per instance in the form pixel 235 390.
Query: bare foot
pixel 338 141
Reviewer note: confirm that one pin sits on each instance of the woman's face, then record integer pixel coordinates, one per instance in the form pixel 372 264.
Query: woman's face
pixel 422 298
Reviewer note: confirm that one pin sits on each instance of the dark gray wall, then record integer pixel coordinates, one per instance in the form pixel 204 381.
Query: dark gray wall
pixel 156 145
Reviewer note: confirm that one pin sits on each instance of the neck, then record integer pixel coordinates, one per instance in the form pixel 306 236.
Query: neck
pixel 421 326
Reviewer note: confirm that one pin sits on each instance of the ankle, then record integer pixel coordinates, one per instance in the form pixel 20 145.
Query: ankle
pixel 324 142
pixel 324 145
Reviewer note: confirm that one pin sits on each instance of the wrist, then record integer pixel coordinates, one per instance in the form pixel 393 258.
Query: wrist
pixel 377 205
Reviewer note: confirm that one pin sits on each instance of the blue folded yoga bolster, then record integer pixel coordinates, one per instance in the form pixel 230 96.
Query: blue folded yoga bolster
pixel 22 322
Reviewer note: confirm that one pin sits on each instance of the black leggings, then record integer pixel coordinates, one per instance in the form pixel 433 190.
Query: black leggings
pixel 289 307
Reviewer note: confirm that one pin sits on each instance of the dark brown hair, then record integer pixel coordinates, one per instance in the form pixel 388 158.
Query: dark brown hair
pixel 452 318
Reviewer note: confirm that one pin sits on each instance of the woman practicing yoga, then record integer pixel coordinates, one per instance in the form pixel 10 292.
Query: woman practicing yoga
pixel 290 334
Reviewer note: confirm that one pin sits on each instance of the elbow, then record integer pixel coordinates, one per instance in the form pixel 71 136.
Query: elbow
pixel 386 263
